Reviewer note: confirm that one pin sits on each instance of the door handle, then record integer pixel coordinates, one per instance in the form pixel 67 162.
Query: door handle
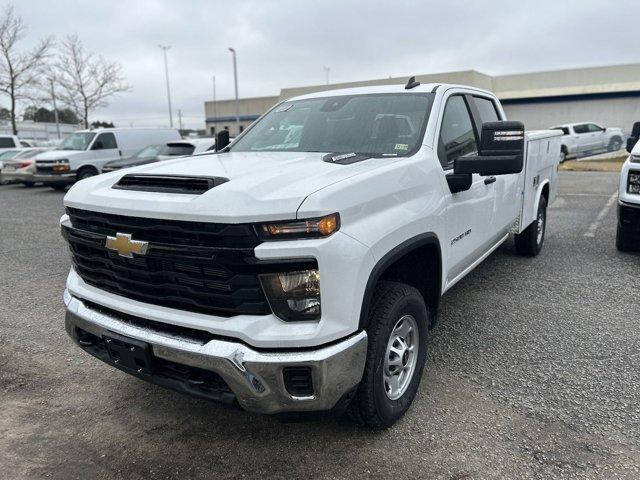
pixel 489 180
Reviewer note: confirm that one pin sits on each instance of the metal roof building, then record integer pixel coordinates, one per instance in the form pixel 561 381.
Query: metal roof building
pixel 607 95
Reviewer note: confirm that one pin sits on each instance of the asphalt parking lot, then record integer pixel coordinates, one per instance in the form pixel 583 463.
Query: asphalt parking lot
pixel 533 372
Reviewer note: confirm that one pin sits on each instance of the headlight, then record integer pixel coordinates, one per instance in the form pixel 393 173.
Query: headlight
pixel 633 183
pixel 293 296
pixel 61 166
pixel 311 228
pixel 634 158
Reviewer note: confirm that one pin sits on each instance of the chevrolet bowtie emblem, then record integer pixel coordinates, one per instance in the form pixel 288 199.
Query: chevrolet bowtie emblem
pixel 126 247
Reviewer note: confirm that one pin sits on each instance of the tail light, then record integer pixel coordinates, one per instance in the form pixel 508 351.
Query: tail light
pixel 25 163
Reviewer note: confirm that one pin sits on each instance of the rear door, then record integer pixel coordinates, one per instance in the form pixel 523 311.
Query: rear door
pixel 469 213
pixel 506 207
pixel 104 149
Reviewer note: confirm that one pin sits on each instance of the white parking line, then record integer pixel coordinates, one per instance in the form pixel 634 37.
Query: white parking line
pixel 591 231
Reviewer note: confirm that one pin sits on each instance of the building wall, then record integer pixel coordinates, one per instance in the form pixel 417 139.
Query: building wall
pixel 608 95
pixel 608 111
pixel 38 131
pixel 223 114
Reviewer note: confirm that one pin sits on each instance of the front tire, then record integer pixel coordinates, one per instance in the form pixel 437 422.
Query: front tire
pixel 397 348
pixel 58 186
pixel 614 144
pixel 29 184
pixel 529 242
pixel 623 242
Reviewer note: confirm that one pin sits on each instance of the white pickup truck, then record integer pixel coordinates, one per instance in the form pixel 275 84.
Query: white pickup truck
pixel 580 139
pixel 300 268
pixel 628 232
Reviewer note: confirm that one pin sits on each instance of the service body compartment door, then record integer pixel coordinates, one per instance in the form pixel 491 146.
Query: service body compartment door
pixel 542 156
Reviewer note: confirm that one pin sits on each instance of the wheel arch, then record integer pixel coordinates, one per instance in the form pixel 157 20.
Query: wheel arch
pixel 419 251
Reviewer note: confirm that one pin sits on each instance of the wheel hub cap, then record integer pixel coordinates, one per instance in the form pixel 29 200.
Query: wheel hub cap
pixel 400 357
pixel 540 229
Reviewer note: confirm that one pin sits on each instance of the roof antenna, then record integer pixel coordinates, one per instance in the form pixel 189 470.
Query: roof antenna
pixel 411 83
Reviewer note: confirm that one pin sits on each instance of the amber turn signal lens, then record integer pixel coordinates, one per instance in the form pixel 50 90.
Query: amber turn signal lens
pixel 311 228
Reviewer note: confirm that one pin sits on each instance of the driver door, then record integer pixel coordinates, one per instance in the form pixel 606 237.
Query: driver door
pixel 104 149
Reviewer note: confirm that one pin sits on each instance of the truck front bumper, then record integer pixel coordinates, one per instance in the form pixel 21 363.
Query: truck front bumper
pixel 50 178
pixel 629 218
pixel 256 379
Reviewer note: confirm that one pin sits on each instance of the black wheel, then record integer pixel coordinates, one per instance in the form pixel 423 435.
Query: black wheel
pixel 529 242
pixel 29 184
pixel 398 332
pixel 623 242
pixel 58 186
pixel 614 144
pixel 563 154
pixel 85 172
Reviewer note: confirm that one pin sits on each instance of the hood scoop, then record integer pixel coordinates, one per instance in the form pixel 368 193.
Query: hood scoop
pixel 169 183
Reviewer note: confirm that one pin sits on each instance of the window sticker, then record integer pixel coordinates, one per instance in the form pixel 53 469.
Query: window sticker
pixel 401 146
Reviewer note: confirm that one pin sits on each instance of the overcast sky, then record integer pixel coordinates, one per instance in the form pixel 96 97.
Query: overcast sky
pixel 286 43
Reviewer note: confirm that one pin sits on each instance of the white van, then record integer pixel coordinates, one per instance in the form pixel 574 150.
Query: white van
pixel 83 153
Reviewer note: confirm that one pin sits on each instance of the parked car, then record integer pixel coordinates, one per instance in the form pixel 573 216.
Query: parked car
pixel 6 154
pixel 579 139
pixel 153 153
pixel 195 145
pixel 301 269
pixel 12 142
pixel 21 167
pixel 83 153
pixel 628 230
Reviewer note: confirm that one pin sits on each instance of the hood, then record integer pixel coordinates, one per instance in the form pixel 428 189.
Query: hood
pixel 56 154
pixel 261 186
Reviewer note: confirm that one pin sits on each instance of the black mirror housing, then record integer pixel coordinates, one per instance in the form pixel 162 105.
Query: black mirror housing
pixel 631 142
pixel 222 140
pixel 501 150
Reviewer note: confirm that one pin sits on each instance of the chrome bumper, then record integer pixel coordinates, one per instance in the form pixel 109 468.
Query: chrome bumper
pixel 54 178
pixel 254 377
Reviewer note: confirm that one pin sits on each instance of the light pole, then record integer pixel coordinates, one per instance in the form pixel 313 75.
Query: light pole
pixel 235 81
pixel 55 108
pixel 326 73
pixel 166 74
pixel 215 113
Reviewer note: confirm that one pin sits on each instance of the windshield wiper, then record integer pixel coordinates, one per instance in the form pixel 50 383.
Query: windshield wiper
pixel 353 157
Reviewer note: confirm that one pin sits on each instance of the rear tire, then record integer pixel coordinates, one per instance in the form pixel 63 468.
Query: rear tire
pixel 397 349
pixel 563 154
pixel 623 242
pixel 529 242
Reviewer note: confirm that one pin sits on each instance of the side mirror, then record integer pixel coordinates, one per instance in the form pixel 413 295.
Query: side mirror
pixel 97 146
pixel 501 150
pixel 222 139
pixel 631 142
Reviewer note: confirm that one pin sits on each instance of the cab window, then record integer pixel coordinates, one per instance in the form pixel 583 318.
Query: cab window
pixel 486 109
pixel 105 141
pixel 580 128
pixel 594 128
pixel 457 137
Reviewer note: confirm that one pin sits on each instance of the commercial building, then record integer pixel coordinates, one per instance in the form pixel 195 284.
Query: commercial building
pixel 609 96
pixel 38 131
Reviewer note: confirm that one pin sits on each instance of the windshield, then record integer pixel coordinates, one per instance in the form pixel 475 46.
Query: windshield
pixel 77 141
pixel 151 151
pixel 378 124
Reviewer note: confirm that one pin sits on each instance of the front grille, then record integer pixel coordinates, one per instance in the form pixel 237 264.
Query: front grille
pixel 194 266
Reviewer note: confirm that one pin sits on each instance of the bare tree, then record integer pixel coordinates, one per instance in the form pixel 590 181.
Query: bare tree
pixel 85 81
pixel 20 72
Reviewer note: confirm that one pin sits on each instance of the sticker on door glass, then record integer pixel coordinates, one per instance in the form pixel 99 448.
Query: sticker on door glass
pixel 401 146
